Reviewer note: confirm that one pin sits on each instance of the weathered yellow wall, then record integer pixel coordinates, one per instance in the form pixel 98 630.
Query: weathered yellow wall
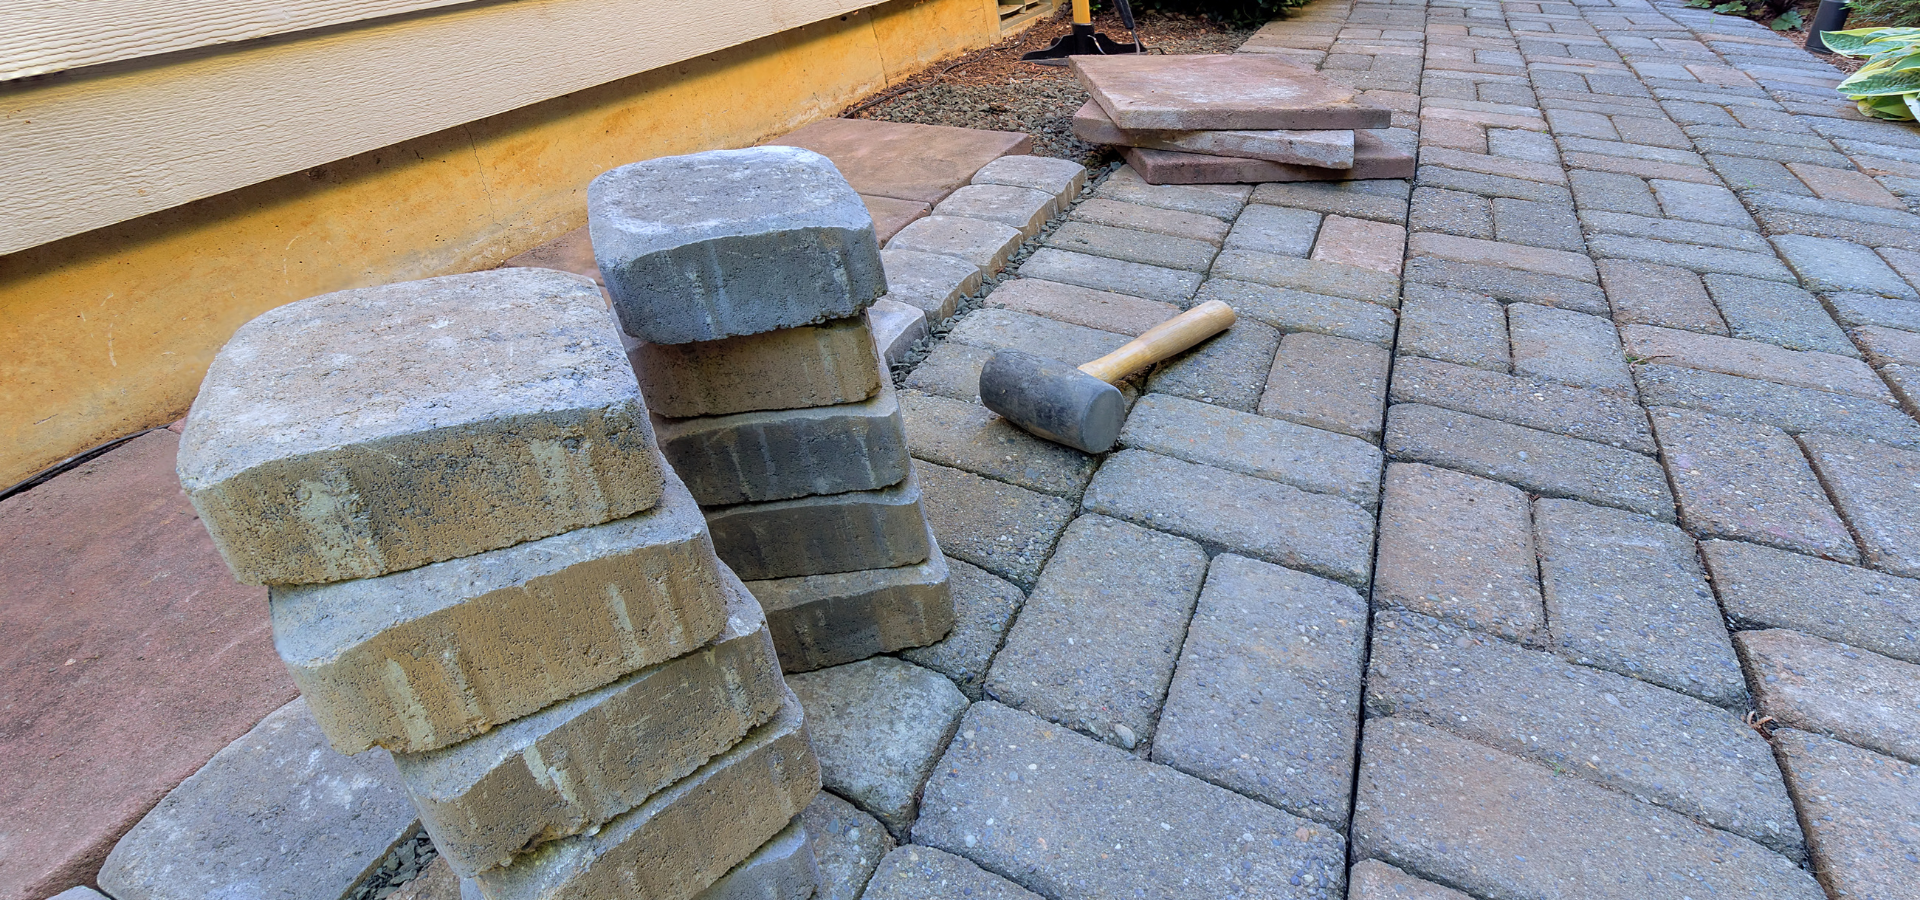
pixel 110 331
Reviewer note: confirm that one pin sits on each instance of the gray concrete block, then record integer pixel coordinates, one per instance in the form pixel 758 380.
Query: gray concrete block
pixel 1290 310
pixel 755 457
pixel 1454 327
pixel 1229 369
pixel 1011 779
pixel 971 437
pixel 1761 587
pixel 915 872
pixel 782 869
pixel 1877 489
pixel 1458 812
pixel 1459 548
pixel 1221 201
pixel 1329 383
pixel 1006 329
pixel 1858 805
pixel 825 620
pixel 878 726
pixel 275 814
pixel 1544 405
pixel 979 243
pixel 1063 178
pixel 1275 229
pixel 573 766
pixel 1193 226
pixel 582 608
pixel 1126 244
pixel 1250 516
pixel 847 845
pixel 897 327
pixel 1735 479
pixel 1003 529
pixel 1075 305
pixel 686 837
pixel 1119 596
pixel 1796 410
pixel 1818 685
pixel 1312 276
pixel 1567 347
pixel 793 368
pixel 932 282
pixel 368 431
pixel 1024 209
pixel 1307 458
pixel 1153 282
pixel 1265 700
pixel 1829 265
pixel 879 529
pixel 1374 880
pixel 984 606
pixel 1508 285
pixel 1777 313
pixel 732 242
pixel 1684 755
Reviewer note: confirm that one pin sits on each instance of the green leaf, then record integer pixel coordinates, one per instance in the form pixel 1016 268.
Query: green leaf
pixel 1852 42
pixel 1913 105
pixel 1732 9
pixel 1895 108
pixel 1882 83
pixel 1788 21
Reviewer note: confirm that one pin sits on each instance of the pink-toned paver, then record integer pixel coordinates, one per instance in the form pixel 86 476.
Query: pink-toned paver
pixel 131 657
pixel 1218 92
pixel 1361 242
pixel 922 163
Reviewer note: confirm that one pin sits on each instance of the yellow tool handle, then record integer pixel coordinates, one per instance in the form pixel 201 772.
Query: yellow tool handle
pixel 1162 341
pixel 1082 12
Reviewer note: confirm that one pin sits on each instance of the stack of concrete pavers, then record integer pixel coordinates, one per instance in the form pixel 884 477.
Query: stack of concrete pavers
pixel 478 559
pixel 1232 118
pixel 742 277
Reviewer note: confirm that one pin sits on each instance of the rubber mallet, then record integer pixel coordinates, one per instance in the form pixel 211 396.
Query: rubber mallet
pixel 1080 407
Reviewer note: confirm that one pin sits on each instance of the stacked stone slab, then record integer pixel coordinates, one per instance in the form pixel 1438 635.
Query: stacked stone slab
pixel 1232 118
pixel 741 279
pixel 479 561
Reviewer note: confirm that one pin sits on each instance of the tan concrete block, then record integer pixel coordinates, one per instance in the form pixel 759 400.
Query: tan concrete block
pixel 755 457
pixel 684 838
pixel 793 368
pixel 421 659
pixel 374 430
pixel 826 620
pixel 848 532
pixel 574 765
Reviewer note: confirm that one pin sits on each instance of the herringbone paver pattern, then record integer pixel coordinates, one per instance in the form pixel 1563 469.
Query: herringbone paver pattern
pixel 1546 529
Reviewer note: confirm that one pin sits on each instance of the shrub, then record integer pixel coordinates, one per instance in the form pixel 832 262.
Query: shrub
pixel 1888 86
pixel 1891 13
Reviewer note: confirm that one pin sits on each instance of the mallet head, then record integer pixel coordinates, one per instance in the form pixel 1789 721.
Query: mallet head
pixel 1053 400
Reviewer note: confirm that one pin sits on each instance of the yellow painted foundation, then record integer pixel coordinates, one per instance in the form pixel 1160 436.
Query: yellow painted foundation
pixel 110 331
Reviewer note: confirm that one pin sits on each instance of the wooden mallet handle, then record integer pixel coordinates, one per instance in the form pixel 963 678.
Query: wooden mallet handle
pixel 1162 341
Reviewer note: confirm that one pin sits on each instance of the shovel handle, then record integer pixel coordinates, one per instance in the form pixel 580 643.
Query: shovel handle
pixel 1162 341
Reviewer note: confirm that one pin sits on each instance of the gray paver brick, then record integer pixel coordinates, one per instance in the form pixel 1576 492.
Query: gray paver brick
pixel 951 370
pixel 1010 779
pixel 932 282
pixel 1119 597
pixel 1250 516
pixel 1889 346
pixel 1613 192
pixel 1548 406
pixel 1457 812
pixel 1459 548
pixel 1778 314
pixel 1508 285
pixel 1120 276
pixel 915 872
pixel 1818 685
pixel 1537 260
pixel 983 608
pixel 1222 201
pixel 1266 697
pixel 1859 808
pixel 1565 346
pixel 1372 879
pixel 1550 225
pixel 1229 369
pixel 1672 750
pixel 1489 185
pixel 1652 294
pixel 1825 264
pixel 878 726
pixel 1025 209
pixel 1452 212
pixel 1752 359
pixel 1548 464
pixel 850 532
pixel 1690 256
pixel 971 437
pixel 1308 458
pixel 1003 529
pixel 1381 201
pixel 1274 229
pixel 982 244
pixel 1328 382
pixel 1129 245
pixel 1674 231
pixel 1291 310
pixel 753 457
pixel 1453 326
pixel 1878 491
pixel 1795 410
pixel 1150 218
pixel 1709 203
pixel 1761 587
pixel 1748 482
pixel 1308 275
pixel 1062 178
pixel 1075 305
pixel 1627 594
pixel 847 845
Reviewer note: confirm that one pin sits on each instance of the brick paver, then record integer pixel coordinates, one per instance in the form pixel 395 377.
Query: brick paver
pixel 1642 457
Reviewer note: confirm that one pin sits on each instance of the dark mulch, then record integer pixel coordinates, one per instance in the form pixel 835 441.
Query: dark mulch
pixel 991 88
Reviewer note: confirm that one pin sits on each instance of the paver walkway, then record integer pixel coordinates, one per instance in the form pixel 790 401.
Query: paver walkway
pixel 1463 562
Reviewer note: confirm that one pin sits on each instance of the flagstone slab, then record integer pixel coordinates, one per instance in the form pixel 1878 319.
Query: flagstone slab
pixel 905 161
pixel 1221 92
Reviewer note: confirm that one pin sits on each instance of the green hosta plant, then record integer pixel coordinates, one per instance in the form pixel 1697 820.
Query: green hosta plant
pixel 1888 86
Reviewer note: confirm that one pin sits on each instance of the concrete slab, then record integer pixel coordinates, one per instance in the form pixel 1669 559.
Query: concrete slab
pixel 1331 149
pixel 121 623
pixel 891 214
pixel 1221 92
pixel 922 163
pixel 1372 158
